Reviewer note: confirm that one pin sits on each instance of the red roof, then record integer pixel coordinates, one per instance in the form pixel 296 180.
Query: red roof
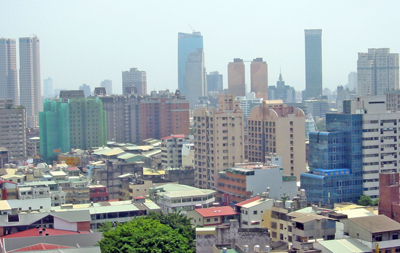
pixel 216 211
pixel 173 136
pixel 140 197
pixel 247 201
pixel 6 181
pixel 41 246
pixel 72 169
pixel 35 232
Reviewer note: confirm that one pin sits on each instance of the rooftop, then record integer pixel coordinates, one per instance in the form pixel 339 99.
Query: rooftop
pixel 174 136
pixel 306 217
pixel 36 232
pixel 247 201
pixel 377 223
pixel 344 246
pixel 216 211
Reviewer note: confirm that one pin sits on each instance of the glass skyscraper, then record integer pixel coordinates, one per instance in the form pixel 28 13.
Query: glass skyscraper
pixel 188 43
pixel 313 48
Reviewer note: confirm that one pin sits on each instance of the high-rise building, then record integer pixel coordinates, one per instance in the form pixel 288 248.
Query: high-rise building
pixel 171 149
pixel 48 88
pixel 123 115
pixel 108 85
pixel 86 89
pixel 236 78
pixel 187 43
pixel 313 48
pixel 378 71
pixel 274 128
pixel 8 70
pixel 195 77
pixel 29 78
pixel 282 92
pixel 215 82
pixel 259 78
pixel 162 114
pixel 218 140
pixel 136 78
pixel 393 100
pixel 352 80
pixel 13 130
pixel 248 102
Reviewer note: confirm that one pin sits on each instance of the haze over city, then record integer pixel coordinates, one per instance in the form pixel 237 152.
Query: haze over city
pixel 89 41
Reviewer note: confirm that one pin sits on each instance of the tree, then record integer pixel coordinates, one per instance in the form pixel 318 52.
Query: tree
pixel 144 235
pixel 106 226
pixel 365 201
pixel 376 202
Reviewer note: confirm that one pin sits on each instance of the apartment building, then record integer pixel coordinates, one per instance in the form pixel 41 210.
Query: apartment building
pixel 171 149
pixel 278 129
pixel 218 140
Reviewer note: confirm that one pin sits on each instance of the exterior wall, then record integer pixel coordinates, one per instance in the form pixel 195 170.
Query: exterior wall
pixel 8 70
pixel 136 78
pixel 393 100
pixel 259 78
pixel 313 47
pixel 279 222
pixel 389 195
pixel 218 140
pixel 171 150
pixel 195 77
pixel 232 187
pixel 236 78
pixel 30 204
pixel 254 214
pixel 65 225
pixel 177 204
pixel 13 132
pixel 188 155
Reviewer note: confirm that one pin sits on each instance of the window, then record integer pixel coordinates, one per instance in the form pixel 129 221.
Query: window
pixel 208 220
pixel 378 238
pixel 255 212
pixel 395 236
pixel 215 219
pixel 274 234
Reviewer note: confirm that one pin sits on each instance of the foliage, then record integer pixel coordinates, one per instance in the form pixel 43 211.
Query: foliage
pixel 376 202
pixel 144 235
pixel 106 226
pixel 365 201
pixel 284 197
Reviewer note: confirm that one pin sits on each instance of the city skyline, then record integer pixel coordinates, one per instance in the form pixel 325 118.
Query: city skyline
pixel 281 44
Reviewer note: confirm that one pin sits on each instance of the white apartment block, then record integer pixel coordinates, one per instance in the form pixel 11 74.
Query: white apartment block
pixel 218 140
pixel 248 102
pixel 171 149
pixel 393 100
pixel 378 71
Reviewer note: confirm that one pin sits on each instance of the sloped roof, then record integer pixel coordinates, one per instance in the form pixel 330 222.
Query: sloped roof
pixel 41 246
pixel 247 201
pixel 216 211
pixel 377 223
pixel 35 232
pixel 73 216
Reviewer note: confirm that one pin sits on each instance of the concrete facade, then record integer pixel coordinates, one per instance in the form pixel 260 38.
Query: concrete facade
pixel 8 70
pixel 236 78
pixel 259 78
pixel 13 132
pixel 136 78
pixel 171 149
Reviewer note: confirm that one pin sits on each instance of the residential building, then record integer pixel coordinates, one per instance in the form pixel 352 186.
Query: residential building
pixel 392 100
pixel 389 195
pixel 212 216
pixel 107 84
pixel 278 129
pixel 42 190
pixel 123 115
pixel 98 193
pixel 29 79
pixel 255 212
pixel 48 91
pixel 188 155
pixel 218 140
pixel 86 90
pixel 171 149
pixel 182 198
pixel 282 92
pixel 259 78
pixel 162 114
pixel 195 77
pixel 136 78
pixel 378 72
pixel 313 48
pixel 317 108
pixel 248 102
pixel 66 95
pixel 375 232
pixel 242 181
pixel 215 82
pixel 187 43
pixel 13 130
pixel 8 70
pixel 236 78
pixel 345 245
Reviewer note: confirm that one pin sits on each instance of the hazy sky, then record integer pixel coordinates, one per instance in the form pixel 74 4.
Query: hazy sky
pixel 89 41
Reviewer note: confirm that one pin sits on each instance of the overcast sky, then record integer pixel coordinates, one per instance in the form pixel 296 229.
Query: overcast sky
pixel 89 41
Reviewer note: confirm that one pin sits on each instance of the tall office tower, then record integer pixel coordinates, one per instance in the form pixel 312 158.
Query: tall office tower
pixel 108 85
pixel 8 70
pixel 187 43
pixel 86 89
pixel 195 77
pixel 378 71
pixel 164 113
pixel 259 78
pixel 219 140
pixel 274 128
pixel 48 87
pixel 136 78
pixel 236 78
pixel 123 115
pixel 30 87
pixel 13 130
pixel 282 92
pixel 313 47
pixel 215 82
pixel 352 80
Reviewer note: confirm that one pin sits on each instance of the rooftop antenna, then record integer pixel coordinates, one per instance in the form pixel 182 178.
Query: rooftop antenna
pixel 193 30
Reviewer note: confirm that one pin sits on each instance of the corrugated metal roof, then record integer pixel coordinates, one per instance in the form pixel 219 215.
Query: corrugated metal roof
pixel 344 246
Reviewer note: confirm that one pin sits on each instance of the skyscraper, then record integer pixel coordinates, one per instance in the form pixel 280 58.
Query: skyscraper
pixel 195 77
pixel 259 78
pixel 352 80
pixel 8 70
pixel 48 87
pixel 187 43
pixel 86 89
pixel 378 71
pixel 236 78
pixel 108 85
pixel 313 48
pixel 136 78
pixel 29 78
pixel 215 82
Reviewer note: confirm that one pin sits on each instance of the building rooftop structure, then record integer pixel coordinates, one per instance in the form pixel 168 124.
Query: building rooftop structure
pixel 342 245
pixel 216 211
pixel 377 223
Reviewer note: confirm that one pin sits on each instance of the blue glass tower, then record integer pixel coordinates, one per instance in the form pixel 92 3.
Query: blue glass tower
pixel 335 161
pixel 313 47
pixel 187 43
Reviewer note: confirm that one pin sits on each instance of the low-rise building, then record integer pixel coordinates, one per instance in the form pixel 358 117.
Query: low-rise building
pixel 171 149
pixel 98 193
pixel 255 212
pixel 212 216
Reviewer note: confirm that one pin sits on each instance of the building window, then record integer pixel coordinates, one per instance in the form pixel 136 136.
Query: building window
pixel 281 226
pixel 208 220
pixel 215 219
pixel 255 212
pixel 273 234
